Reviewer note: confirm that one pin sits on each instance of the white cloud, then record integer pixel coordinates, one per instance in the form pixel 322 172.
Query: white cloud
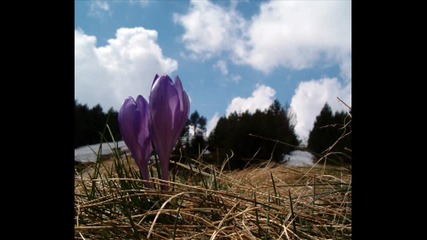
pixel 311 96
pixel 97 7
pixel 142 3
pixel 236 78
pixel 297 34
pixel 345 68
pixel 291 34
pixel 126 66
pixel 222 66
pixel 212 123
pixel 209 29
pixel 262 97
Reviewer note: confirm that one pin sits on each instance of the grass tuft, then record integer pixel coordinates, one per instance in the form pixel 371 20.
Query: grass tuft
pixel 225 205
pixel 207 202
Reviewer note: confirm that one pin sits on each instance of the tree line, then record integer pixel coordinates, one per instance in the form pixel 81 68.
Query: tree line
pixel 90 124
pixel 331 136
pixel 252 137
pixel 241 139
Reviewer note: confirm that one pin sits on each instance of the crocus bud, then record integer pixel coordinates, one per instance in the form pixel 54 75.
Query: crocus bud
pixel 169 109
pixel 133 126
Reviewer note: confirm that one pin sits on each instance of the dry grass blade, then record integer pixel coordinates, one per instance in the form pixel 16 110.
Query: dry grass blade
pixel 224 219
pixel 160 210
pixel 269 202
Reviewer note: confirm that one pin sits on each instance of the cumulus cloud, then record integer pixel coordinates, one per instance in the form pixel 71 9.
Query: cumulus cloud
pixel 262 97
pixel 311 96
pixel 97 7
pixel 124 67
pixel 291 34
pixel 210 29
pixel 212 123
pixel 297 34
pixel 345 69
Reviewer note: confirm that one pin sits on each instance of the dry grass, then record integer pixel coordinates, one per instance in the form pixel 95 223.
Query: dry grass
pixel 271 202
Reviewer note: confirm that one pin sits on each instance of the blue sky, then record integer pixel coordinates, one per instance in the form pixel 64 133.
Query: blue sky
pixel 230 55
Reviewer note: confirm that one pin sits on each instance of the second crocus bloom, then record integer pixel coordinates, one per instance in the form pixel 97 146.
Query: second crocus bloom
pixel 133 126
pixel 169 108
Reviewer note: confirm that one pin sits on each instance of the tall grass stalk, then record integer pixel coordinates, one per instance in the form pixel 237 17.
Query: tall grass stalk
pixel 211 202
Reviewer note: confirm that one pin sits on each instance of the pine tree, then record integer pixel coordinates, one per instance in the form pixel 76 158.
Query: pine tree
pixel 329 134
pixel 90 123
pixel 192 145
pixel 198 142
pixel 252 137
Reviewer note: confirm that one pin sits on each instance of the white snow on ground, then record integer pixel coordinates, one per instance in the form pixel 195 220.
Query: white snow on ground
pixel 298 158
pixel 89 153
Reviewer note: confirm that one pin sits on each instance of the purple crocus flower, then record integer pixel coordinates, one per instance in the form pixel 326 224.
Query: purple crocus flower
pixel 133 126
pixel 169 109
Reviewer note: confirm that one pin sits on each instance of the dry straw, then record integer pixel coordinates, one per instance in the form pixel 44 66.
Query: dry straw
pixel 270 201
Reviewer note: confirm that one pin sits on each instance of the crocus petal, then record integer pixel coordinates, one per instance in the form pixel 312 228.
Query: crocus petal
pixel 163 102
pixel 184 101
pixel 133 126
pixel 154 80
pixel 169 108
pixel 128 124
pixel 144 139
pixel 183 111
